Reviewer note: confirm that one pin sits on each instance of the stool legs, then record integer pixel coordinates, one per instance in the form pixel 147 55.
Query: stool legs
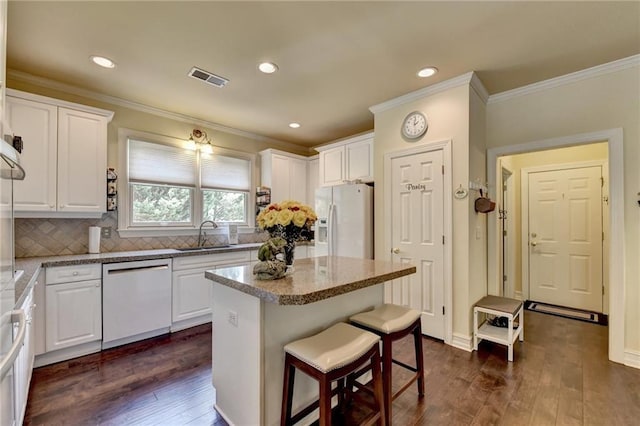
pixel 417 341
pixel 287 390
pixel 325 401
pixel 388 361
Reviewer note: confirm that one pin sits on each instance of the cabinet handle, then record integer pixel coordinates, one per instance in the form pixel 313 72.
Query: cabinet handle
pixel 75 273
pixel 395 250
pixel 97 284
pixel 53 206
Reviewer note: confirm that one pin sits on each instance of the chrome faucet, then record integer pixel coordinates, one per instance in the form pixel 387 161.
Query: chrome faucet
pixel 201 239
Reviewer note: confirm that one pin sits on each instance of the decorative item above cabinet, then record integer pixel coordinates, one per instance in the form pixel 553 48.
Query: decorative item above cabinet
pixel 64 156
pixel 348 160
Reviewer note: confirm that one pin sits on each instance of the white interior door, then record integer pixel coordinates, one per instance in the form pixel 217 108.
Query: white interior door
pixel 565 237
pixel 417 229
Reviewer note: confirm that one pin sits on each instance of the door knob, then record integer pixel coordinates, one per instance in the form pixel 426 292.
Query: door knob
pixel 395 250
pixel 534 243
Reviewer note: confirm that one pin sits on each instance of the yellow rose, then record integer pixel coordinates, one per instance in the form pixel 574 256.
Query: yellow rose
pixel 299 218
pixel 284 217
pixel 286 204
pixel 270 218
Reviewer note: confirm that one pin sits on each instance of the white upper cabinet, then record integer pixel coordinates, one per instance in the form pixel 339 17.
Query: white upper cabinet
pixel 285 174
pixel 82 161
pixel 348 160
pixel 65 155
pixel 37 123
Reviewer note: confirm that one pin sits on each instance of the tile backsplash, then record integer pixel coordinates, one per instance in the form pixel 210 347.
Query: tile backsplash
pixel 55 237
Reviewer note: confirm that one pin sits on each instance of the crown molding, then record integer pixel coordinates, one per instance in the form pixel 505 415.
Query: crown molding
pixel 478 87
pixel 358 137
pixel 58 102
pixel 67 88
pixel 424 92
pixel 598 70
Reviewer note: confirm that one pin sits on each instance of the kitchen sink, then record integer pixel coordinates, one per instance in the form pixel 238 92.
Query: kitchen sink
pixel 202 248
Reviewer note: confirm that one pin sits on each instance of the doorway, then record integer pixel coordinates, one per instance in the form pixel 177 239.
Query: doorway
pixel 562 232
pixel 614 275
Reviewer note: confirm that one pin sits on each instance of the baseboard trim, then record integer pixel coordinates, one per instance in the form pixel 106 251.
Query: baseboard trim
pixel 462 341
pixel 135 338
pixel 65 354
pixel 632 358
pixel 223 415
pixel 191 322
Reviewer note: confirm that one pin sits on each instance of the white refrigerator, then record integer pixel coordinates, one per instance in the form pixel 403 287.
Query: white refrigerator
pixel 345 221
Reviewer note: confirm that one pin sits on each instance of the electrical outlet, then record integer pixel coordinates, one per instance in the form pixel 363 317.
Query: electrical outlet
pixel 106 232
pixel 233 318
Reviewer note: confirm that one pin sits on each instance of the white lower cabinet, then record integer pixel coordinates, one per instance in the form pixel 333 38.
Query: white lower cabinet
pixel 191 295
pixel 73 309
pixel 192 292
pixel 23 364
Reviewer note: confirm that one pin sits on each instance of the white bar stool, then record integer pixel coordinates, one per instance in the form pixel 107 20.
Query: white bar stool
pixel 393 322
pixel 330 356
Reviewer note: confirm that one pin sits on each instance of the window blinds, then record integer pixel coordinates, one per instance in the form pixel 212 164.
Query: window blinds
pixel 155 163
pixel 222 172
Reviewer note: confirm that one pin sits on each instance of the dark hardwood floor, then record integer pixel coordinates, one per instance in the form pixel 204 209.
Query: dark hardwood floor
pixel 560 376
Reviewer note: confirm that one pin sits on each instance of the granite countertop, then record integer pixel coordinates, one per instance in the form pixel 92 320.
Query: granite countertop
pixel 313 279
pixel 31 265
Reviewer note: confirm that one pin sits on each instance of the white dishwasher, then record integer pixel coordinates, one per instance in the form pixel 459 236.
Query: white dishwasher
pixel 136 301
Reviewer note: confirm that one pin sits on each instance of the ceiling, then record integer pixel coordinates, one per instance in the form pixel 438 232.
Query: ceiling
pixel 336 59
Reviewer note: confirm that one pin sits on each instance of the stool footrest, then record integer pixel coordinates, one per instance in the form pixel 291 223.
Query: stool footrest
pixel 405 386
pixel 402 364
pixel 309 408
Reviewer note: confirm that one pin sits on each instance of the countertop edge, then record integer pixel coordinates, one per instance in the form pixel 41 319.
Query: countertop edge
pixel 311 297
pixel 32 265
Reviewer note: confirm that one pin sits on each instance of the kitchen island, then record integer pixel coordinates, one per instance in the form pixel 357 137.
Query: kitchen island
pixel 254 319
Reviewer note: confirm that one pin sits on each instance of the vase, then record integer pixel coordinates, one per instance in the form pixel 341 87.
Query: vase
pixel 289 250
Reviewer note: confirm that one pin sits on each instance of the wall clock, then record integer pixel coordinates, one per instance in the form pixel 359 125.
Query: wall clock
pixel 414 125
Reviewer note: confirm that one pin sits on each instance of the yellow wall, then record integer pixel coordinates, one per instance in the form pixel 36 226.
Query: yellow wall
pixel 477 221
pixel 593 104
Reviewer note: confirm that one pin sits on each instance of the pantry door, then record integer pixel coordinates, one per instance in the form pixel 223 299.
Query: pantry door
pixel 417 233
pixel 565 237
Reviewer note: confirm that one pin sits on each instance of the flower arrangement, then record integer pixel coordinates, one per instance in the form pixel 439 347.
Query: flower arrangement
pixel 286 219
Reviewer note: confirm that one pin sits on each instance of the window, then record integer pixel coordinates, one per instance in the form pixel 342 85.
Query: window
pixel 171 189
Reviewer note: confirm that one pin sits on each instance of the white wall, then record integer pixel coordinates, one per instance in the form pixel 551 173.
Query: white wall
pixel 448 115
pixel 592 104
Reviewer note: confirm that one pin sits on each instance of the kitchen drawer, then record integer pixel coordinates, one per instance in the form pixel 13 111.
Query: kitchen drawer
pixel 209 260
pixel 73 273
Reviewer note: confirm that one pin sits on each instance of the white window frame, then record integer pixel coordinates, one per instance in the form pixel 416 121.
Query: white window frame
pixel 125 227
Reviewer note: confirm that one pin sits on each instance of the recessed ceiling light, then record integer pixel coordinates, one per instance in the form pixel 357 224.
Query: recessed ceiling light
pixel 103 62
pixel 268 67
pixel 294 125
pixel 427 72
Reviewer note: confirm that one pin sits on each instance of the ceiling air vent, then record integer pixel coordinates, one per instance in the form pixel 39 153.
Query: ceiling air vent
pixel 208 77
